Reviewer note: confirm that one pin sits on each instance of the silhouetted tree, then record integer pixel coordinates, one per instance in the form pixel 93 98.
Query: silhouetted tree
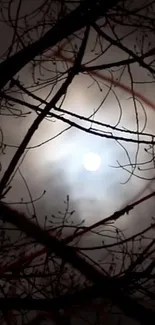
pixel 46 274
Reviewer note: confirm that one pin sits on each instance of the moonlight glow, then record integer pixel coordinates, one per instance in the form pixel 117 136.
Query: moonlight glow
pixel 92 161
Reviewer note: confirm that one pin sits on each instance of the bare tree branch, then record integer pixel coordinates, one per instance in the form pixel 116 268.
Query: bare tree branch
pixel 107 286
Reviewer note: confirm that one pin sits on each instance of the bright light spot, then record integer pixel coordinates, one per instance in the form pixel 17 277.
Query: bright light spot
pixel 92 161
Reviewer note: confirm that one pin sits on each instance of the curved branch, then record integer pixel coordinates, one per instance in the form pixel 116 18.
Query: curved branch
pixel 106 286
pixel 88 11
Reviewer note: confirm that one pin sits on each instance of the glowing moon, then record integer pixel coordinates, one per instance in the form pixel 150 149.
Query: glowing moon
pixel 92 161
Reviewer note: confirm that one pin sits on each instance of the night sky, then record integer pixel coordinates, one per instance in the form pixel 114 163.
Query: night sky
pixel 56 166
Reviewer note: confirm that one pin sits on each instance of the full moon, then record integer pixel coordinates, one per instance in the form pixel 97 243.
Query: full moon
pixel 92 161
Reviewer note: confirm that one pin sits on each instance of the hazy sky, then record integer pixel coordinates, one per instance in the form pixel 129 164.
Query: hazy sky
pixel 57 166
